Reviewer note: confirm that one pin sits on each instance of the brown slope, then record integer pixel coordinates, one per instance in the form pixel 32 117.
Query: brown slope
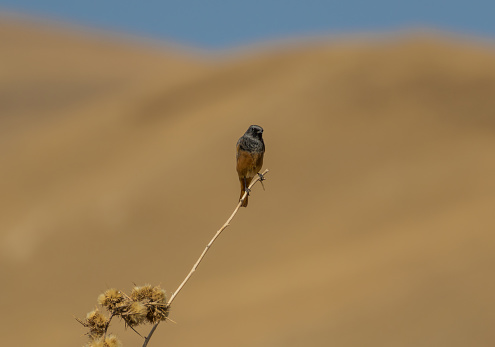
pixel 375 228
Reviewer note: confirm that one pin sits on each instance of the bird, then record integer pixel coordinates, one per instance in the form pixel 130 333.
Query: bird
pixel 250 152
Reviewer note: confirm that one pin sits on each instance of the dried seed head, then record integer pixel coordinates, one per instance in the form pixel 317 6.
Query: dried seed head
pixel 109 341
pixel 158 295
pixel 157 312
pixel 135 314
pixel 112 341
pixel 144 293
pixel 96 322
pixel 147 293
pixel 111 299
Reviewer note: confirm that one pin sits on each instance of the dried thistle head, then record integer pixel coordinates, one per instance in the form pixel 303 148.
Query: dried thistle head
pixel 96 322
pixel 155 301
pixel 157 312
pixel 147 293
pixel 108 341
pixel 144 293
pixel 135 313
pixel 158 295
pixel 146 304
pixel 111 299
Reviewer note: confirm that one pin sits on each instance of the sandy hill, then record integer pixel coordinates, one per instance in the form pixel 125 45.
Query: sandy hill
pixel 376 227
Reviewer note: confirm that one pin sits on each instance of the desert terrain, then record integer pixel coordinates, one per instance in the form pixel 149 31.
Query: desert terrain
pixel 375 228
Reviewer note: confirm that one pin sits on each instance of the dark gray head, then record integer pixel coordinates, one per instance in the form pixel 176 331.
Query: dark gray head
pixel 255 131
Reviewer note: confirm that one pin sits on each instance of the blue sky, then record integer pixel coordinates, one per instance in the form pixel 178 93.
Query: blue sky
pixel 225 24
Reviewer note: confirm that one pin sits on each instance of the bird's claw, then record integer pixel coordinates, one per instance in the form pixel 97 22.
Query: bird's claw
pixel 262 178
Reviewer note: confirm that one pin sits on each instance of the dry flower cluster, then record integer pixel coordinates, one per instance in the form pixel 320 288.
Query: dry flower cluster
pixel 145 305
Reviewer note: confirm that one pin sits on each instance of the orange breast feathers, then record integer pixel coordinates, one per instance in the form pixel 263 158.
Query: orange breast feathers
pixel 248 163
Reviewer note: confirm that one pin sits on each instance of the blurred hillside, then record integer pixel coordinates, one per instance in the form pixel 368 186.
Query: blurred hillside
pixel 375 229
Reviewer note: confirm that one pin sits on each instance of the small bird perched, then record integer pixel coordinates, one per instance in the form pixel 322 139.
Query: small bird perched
pixel 250 151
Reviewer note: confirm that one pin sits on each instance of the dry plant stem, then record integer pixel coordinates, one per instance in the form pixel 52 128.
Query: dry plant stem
pixel 227 223
pixel 147 339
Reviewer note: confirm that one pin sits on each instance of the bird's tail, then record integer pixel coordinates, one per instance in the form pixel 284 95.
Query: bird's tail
pixel 243 190
pixel 245 202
